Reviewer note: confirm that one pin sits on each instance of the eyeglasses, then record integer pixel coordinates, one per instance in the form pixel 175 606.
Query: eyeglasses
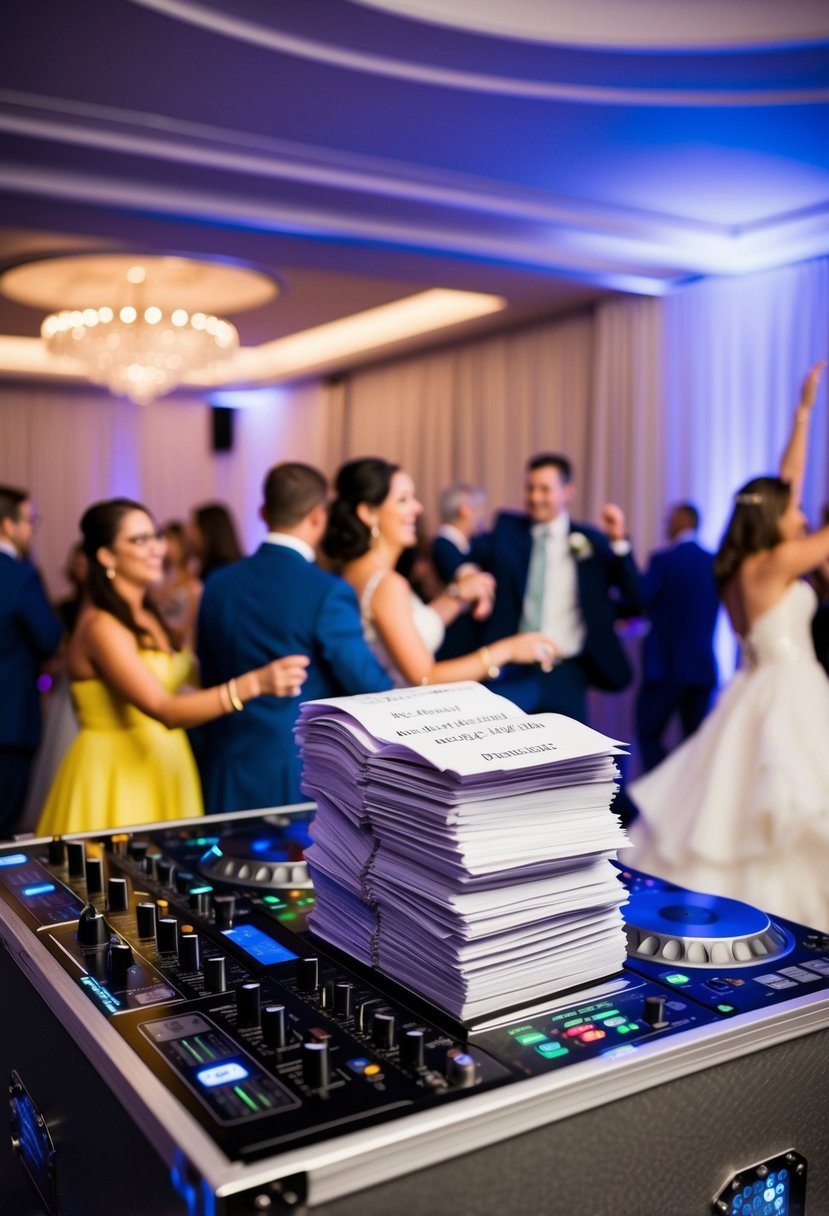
pixel 144 539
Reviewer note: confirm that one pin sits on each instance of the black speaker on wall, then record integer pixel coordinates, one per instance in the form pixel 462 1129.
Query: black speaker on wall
pixel 221 428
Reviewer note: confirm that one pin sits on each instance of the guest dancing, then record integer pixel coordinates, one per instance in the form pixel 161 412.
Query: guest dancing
pixel 372 520
pixel 131 762
pixel 742 808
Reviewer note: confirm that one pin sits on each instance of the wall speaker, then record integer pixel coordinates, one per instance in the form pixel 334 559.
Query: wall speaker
pixel 221 428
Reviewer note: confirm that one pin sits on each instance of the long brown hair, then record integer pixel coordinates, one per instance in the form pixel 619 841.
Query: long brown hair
pixel 100 525
pixel 754 525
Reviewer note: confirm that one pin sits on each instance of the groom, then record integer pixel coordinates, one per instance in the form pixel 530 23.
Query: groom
pixel 568 580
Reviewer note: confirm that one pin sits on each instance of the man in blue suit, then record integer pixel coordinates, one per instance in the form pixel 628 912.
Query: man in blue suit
pixel 29 633
pixel 462 508
pixel 571 581
pixel 679 668
pixel 277 602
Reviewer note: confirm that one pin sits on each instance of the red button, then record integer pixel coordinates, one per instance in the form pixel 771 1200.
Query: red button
pixel 590 1036
pixel 578 1030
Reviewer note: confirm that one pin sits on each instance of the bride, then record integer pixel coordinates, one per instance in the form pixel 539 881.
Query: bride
pixel 741 809
pixel 370 523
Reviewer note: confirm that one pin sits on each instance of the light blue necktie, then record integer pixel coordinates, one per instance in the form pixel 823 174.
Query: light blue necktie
pixel 533 612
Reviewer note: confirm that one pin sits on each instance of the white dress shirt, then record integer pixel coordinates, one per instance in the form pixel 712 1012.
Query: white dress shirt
pixel 561 616
pixel 291 542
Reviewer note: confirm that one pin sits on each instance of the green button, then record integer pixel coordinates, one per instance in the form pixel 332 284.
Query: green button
pixel 631 1026
pixel 608 1013
pixel 676 977
pixel 624 1029
pixel 573 1022
pixel 726 1008
pixel 532 1036
pixel 551 1051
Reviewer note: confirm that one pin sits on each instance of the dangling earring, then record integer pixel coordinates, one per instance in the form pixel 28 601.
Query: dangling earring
pixel 375 533
pixel 110 572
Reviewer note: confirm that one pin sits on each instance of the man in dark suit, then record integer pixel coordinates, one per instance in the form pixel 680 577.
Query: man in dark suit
pixel 277 602
pixel 679 669
pixel 569 580
pixel 461 509
pixel 29 633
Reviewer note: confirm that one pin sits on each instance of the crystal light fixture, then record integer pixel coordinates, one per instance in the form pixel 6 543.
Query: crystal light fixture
pixel 139 324
pixel 139 352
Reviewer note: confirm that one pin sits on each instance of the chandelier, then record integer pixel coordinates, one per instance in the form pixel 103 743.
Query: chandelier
pixel 140 354
pixel 139 324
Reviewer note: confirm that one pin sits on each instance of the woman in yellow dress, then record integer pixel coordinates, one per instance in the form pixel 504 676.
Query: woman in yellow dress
pixel 131 762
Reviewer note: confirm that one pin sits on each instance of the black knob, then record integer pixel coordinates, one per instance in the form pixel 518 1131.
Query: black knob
pixel 248 997
pixel 215 973
pixel 273 1025
pixel 200 899
pixel 57 852
pixel 382 1029
pixel 138 849
pixel 166 935
pixel 94 875
pixel 224 909
pixel 654 1011
pixel 92 928
pixel 76 857
pixel 165 870
pixel 189 955
pixel 118 899
pixel 308 974
pixel 150 864
pixel 145 919
pixel 120 961
pixel 343 999
pixel 461 1070
pixel 315 1065
pixel 327 995
pixel 412 1048
pixel 183 881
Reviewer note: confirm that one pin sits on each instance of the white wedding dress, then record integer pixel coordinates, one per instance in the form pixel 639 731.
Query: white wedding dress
pixel 427 622
pixel 741 809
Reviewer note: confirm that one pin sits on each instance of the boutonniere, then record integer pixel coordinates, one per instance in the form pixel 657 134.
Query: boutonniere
pixel 580 546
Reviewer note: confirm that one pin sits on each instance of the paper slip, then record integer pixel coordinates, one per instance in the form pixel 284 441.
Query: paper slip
pixel 463 729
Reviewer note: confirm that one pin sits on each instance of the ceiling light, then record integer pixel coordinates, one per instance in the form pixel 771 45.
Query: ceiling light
pixel 138 326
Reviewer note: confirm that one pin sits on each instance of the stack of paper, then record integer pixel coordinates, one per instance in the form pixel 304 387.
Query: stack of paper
pixel 463 847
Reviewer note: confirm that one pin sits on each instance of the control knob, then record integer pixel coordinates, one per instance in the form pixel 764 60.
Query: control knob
pixel 120 961
pixel 315 1064
pixel 248 999
pixel 654 1012
pixel 382 1029
pixel 461 1070
pixel 93 931
pixel 145 919
pixel 57 851
pixel 307 974
pixel 412 1048
pixel 76 858
pixel 224 910
pixel 117 895
pixel 188 952
pixel 215 973
pixel 273 1025
pixel 166 935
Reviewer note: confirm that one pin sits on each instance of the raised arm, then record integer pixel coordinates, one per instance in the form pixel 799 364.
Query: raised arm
pixel 793 460
pixel 113 653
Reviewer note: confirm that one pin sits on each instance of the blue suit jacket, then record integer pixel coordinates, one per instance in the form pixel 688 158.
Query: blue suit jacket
pixel 462 636
pixel 682 604
pixel 272 604
pixel 606 582
pixel 29 632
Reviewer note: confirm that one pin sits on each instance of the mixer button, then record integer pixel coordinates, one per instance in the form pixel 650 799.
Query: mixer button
pixel 215 972
pixel 145 919
pixel 307 974
pixel 273 1025
pixel 117 895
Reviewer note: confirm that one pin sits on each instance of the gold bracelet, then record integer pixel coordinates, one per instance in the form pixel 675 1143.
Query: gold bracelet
pixel 233 692
pixel 491 669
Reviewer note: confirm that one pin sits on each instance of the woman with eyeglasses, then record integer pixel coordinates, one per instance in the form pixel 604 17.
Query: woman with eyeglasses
pixel 131 762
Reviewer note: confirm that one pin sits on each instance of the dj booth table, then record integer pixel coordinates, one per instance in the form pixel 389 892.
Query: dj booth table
pixel 178 1044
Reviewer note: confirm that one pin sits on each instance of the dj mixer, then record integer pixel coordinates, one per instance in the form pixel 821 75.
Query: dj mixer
pixel 177 1043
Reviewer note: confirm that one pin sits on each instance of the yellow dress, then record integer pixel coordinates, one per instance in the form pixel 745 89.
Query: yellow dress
pixel 123 768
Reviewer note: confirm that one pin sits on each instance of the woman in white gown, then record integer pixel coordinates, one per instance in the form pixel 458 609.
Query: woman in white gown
pixel 370 523
pixel 741 809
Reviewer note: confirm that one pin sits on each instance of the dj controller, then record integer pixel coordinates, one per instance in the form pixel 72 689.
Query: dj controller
pixel 177 1043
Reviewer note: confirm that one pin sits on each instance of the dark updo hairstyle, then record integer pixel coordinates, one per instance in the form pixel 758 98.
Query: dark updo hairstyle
pixel 367 480
pixel 100 526
pixel 754 525
pixel 219 539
